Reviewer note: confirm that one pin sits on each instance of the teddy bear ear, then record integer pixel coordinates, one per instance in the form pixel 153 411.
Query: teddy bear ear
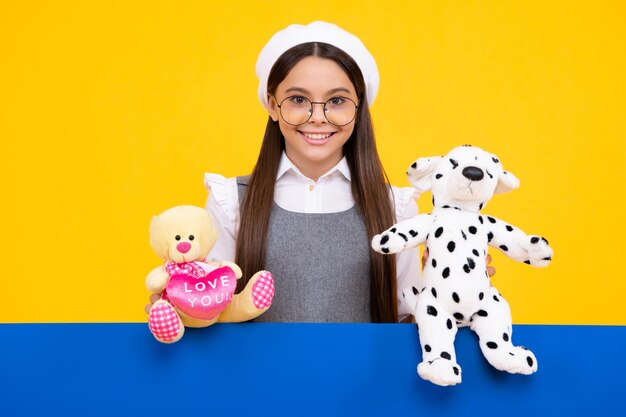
pixel 420 172
pixel 506 182
pixel 158 242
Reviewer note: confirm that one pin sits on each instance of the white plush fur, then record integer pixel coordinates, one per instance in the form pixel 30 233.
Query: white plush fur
pixel 457 290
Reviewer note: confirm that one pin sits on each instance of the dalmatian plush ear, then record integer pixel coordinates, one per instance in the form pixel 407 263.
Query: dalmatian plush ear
pixel 506 182
pixel 420 172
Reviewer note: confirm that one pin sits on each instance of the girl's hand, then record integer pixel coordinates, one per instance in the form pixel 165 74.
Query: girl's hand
pixel 490 269
pixel 153 299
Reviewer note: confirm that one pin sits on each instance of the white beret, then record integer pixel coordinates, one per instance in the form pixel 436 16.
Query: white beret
pixel 317 32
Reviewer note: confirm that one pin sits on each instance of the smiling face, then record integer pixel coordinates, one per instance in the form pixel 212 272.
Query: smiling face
pixel 317 145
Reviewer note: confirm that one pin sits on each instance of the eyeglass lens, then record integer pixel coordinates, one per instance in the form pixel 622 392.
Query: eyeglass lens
pixel 297 110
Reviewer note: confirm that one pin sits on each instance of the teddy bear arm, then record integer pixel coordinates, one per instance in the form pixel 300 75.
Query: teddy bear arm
pixel 157 280
pixel 234 267
pixel 231 265
pixel 517 245
pixel 409 233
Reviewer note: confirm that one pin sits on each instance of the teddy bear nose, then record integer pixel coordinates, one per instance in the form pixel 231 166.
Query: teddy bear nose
pixel 473 173
pixel 183 247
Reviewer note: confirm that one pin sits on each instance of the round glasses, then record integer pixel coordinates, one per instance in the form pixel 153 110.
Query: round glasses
pixel 297 110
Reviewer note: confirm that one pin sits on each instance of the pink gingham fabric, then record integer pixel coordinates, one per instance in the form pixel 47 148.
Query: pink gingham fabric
pixel 164 322
pixel 263 290
pixel 194 269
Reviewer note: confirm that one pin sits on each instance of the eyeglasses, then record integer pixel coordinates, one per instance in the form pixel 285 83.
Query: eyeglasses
pixel 297 110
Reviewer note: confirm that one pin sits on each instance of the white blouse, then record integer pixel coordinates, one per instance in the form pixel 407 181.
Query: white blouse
pixel 295 192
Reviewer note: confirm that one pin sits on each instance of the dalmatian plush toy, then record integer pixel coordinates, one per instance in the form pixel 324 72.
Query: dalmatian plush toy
pixel 457 292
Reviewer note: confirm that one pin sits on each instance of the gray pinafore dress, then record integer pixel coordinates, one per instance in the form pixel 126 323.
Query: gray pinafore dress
pixel 320 263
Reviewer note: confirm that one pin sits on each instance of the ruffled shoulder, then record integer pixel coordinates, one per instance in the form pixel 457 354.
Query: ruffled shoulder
pixel 404 202
pixel 223 191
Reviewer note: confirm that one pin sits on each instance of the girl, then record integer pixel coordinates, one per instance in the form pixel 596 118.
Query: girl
pixel 317 193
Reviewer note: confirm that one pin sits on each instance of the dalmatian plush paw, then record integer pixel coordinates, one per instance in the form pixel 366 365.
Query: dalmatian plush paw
pixel 410 296
pixel 517 360
pixel 539 251
pixel 389 242
pixel 440 371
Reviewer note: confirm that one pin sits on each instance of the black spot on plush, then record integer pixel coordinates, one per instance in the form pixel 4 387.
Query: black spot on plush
pixel 471 263
pixel 460 255
pixel 446 355
pixel 415 292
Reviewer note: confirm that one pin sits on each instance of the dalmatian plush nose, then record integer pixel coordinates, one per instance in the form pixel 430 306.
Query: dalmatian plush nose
pixel 473 173
pixel 183 247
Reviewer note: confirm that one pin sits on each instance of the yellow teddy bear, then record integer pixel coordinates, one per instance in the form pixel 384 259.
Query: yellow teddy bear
pixel 194 291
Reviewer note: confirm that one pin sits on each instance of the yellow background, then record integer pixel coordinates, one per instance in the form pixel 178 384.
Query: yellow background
pixel 111 112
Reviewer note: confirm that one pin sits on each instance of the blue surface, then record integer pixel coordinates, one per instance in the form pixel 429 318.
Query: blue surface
pixel 259 369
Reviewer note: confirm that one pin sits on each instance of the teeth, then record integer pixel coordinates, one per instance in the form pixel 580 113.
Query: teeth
pixel 317 135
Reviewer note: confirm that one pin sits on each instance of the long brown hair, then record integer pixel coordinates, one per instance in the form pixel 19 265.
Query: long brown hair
pixel 370 186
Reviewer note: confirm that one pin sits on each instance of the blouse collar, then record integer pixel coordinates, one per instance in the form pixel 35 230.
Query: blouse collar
pixel 287 166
